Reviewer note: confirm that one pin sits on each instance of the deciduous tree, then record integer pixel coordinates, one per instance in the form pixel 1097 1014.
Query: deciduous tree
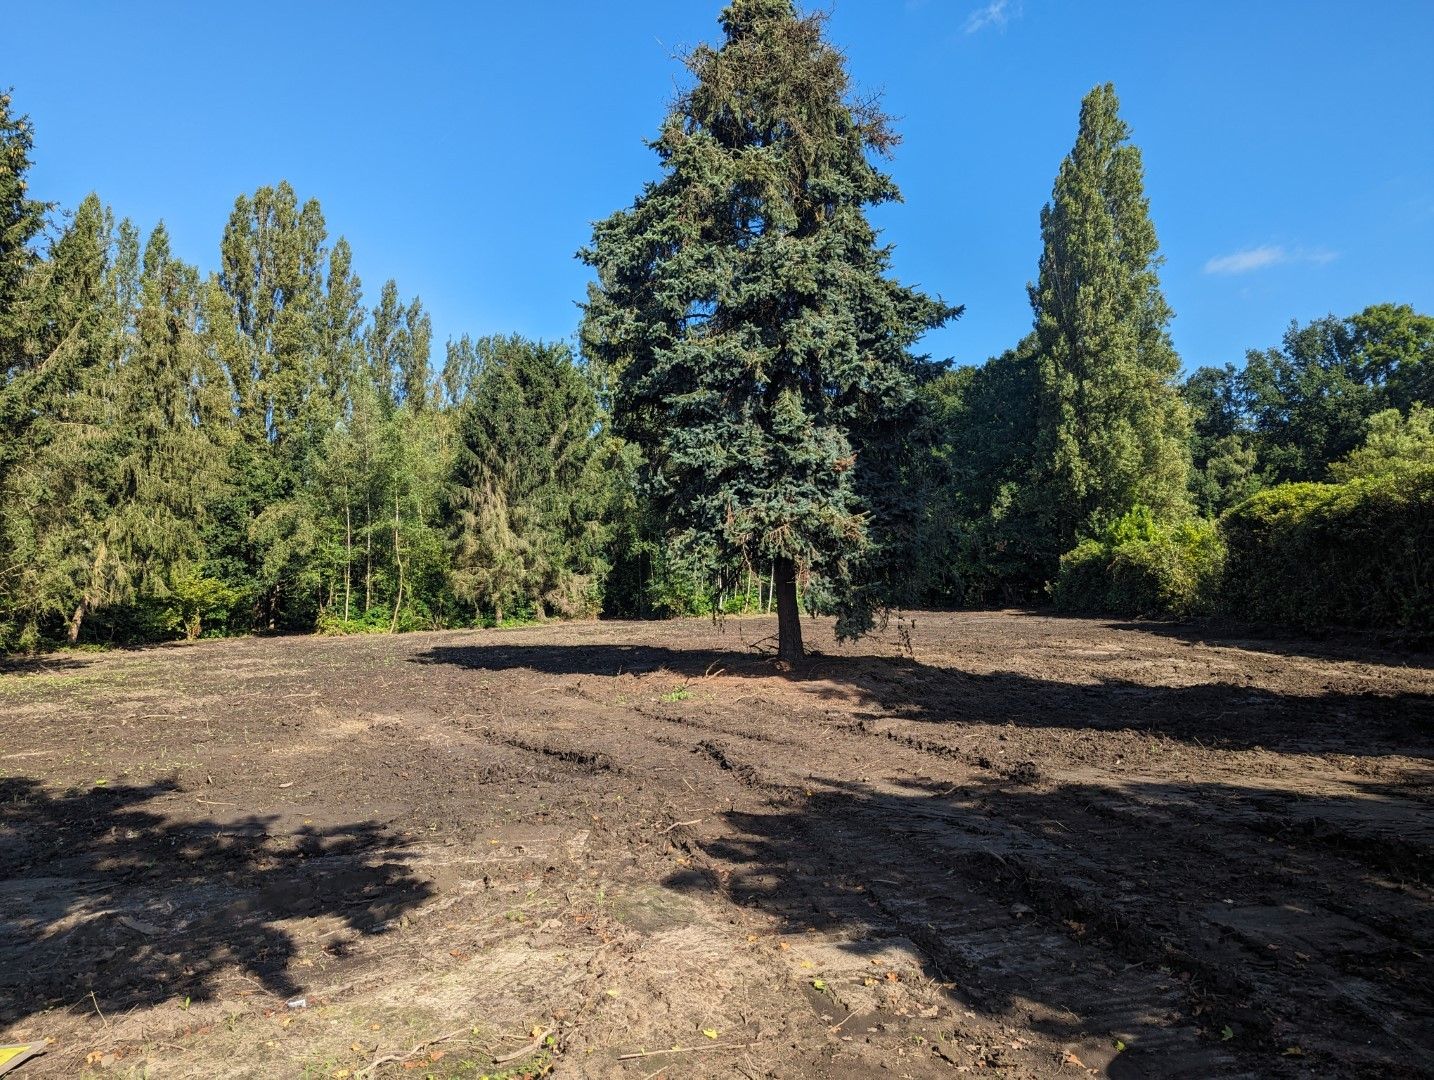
pixel 1112 430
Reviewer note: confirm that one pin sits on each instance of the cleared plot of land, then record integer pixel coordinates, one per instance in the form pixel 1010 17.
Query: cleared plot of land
pixel 1031 845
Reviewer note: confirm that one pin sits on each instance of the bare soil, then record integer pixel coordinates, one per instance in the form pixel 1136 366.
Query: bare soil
pixel 994 843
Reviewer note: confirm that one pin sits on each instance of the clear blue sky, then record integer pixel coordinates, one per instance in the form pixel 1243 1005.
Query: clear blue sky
pixel 464 147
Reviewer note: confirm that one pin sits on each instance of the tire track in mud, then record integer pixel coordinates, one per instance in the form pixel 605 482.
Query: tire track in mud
pixel 583 761
pixel 1005 856
pixel 1267 939
pixel 1400 840
pixel 1005 963
pixel 1216 953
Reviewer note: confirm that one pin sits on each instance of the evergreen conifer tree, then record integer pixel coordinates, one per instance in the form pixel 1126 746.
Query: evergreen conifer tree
pixel 172 427
pixel 524 520
pixel 56 511
pixel 21 220
pixel 758 347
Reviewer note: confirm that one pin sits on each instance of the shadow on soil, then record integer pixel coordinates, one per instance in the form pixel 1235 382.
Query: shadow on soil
pixel 1391 648
pixel 1097 914
pixel 1210 715
pixel 1174 916
pixel 101 893
pixel 49 664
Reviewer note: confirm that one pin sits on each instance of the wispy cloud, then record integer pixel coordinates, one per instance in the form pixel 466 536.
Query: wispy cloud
pixel 1258 258
pixel 997 13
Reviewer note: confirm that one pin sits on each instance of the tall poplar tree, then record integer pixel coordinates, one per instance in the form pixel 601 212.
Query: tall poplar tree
pixel 461 365
pixel 341 329
pixel 398 343
pixel 273 262
pixel 758 346
pixel 1112 429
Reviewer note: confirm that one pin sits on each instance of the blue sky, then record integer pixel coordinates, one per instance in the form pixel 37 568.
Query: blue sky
pixel 464 147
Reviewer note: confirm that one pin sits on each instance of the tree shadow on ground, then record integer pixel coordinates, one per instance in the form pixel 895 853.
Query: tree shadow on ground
pixel 1209 715
pixel 50 663
pixel 103 894
pixel 1209 925
pixel 1204 926
pixel 1386 648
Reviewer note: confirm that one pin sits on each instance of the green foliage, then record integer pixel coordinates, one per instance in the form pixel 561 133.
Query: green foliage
pixel 756 345
pixel 1226 474
pixel 21 219
pixel 183 455
pixel 527 489
pixel 1139 565
pixel 1393 443
pixel 1111 430
pixel 1224 462
pixel 1294 411
pixel 62 544
pixel 1354 554
pixel 1395 346
pixel 198 603
pixel 1308 401
pixel 983 541
pixel 195 456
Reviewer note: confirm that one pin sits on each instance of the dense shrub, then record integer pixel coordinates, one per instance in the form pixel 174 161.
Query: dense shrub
pixel 1138 566
pixel 1353 554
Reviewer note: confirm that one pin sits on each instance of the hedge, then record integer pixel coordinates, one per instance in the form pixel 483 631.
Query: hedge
pixel 1359 553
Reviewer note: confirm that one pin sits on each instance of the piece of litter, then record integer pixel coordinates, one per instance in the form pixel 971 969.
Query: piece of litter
pixel 297 1003
pixel 140 927
pixel 15 1053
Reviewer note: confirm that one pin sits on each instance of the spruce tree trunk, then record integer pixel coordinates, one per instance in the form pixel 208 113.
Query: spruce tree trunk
pixel 789 621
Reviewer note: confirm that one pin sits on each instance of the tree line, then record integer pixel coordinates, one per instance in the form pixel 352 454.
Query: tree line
pixel 745 424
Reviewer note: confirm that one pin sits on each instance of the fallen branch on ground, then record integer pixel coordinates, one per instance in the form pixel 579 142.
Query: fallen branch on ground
pixel 372 1067
pixel 685 1050
pixel 532 1048
pixel 675 824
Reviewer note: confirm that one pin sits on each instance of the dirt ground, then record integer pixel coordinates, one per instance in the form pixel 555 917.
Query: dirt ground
pixel 985 843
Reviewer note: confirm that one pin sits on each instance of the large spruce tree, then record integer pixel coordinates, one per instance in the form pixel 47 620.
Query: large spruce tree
pixel 57 503
pixel 21 219
pixel 1113 431
pixel 760 349
pixel 173 430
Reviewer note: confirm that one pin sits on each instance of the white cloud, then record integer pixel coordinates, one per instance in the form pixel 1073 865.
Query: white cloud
pixel 1258 258
pixel 1242 262
pixel 997 13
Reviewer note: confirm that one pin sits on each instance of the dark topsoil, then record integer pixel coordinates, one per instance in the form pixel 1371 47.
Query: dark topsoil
pixel 993 843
